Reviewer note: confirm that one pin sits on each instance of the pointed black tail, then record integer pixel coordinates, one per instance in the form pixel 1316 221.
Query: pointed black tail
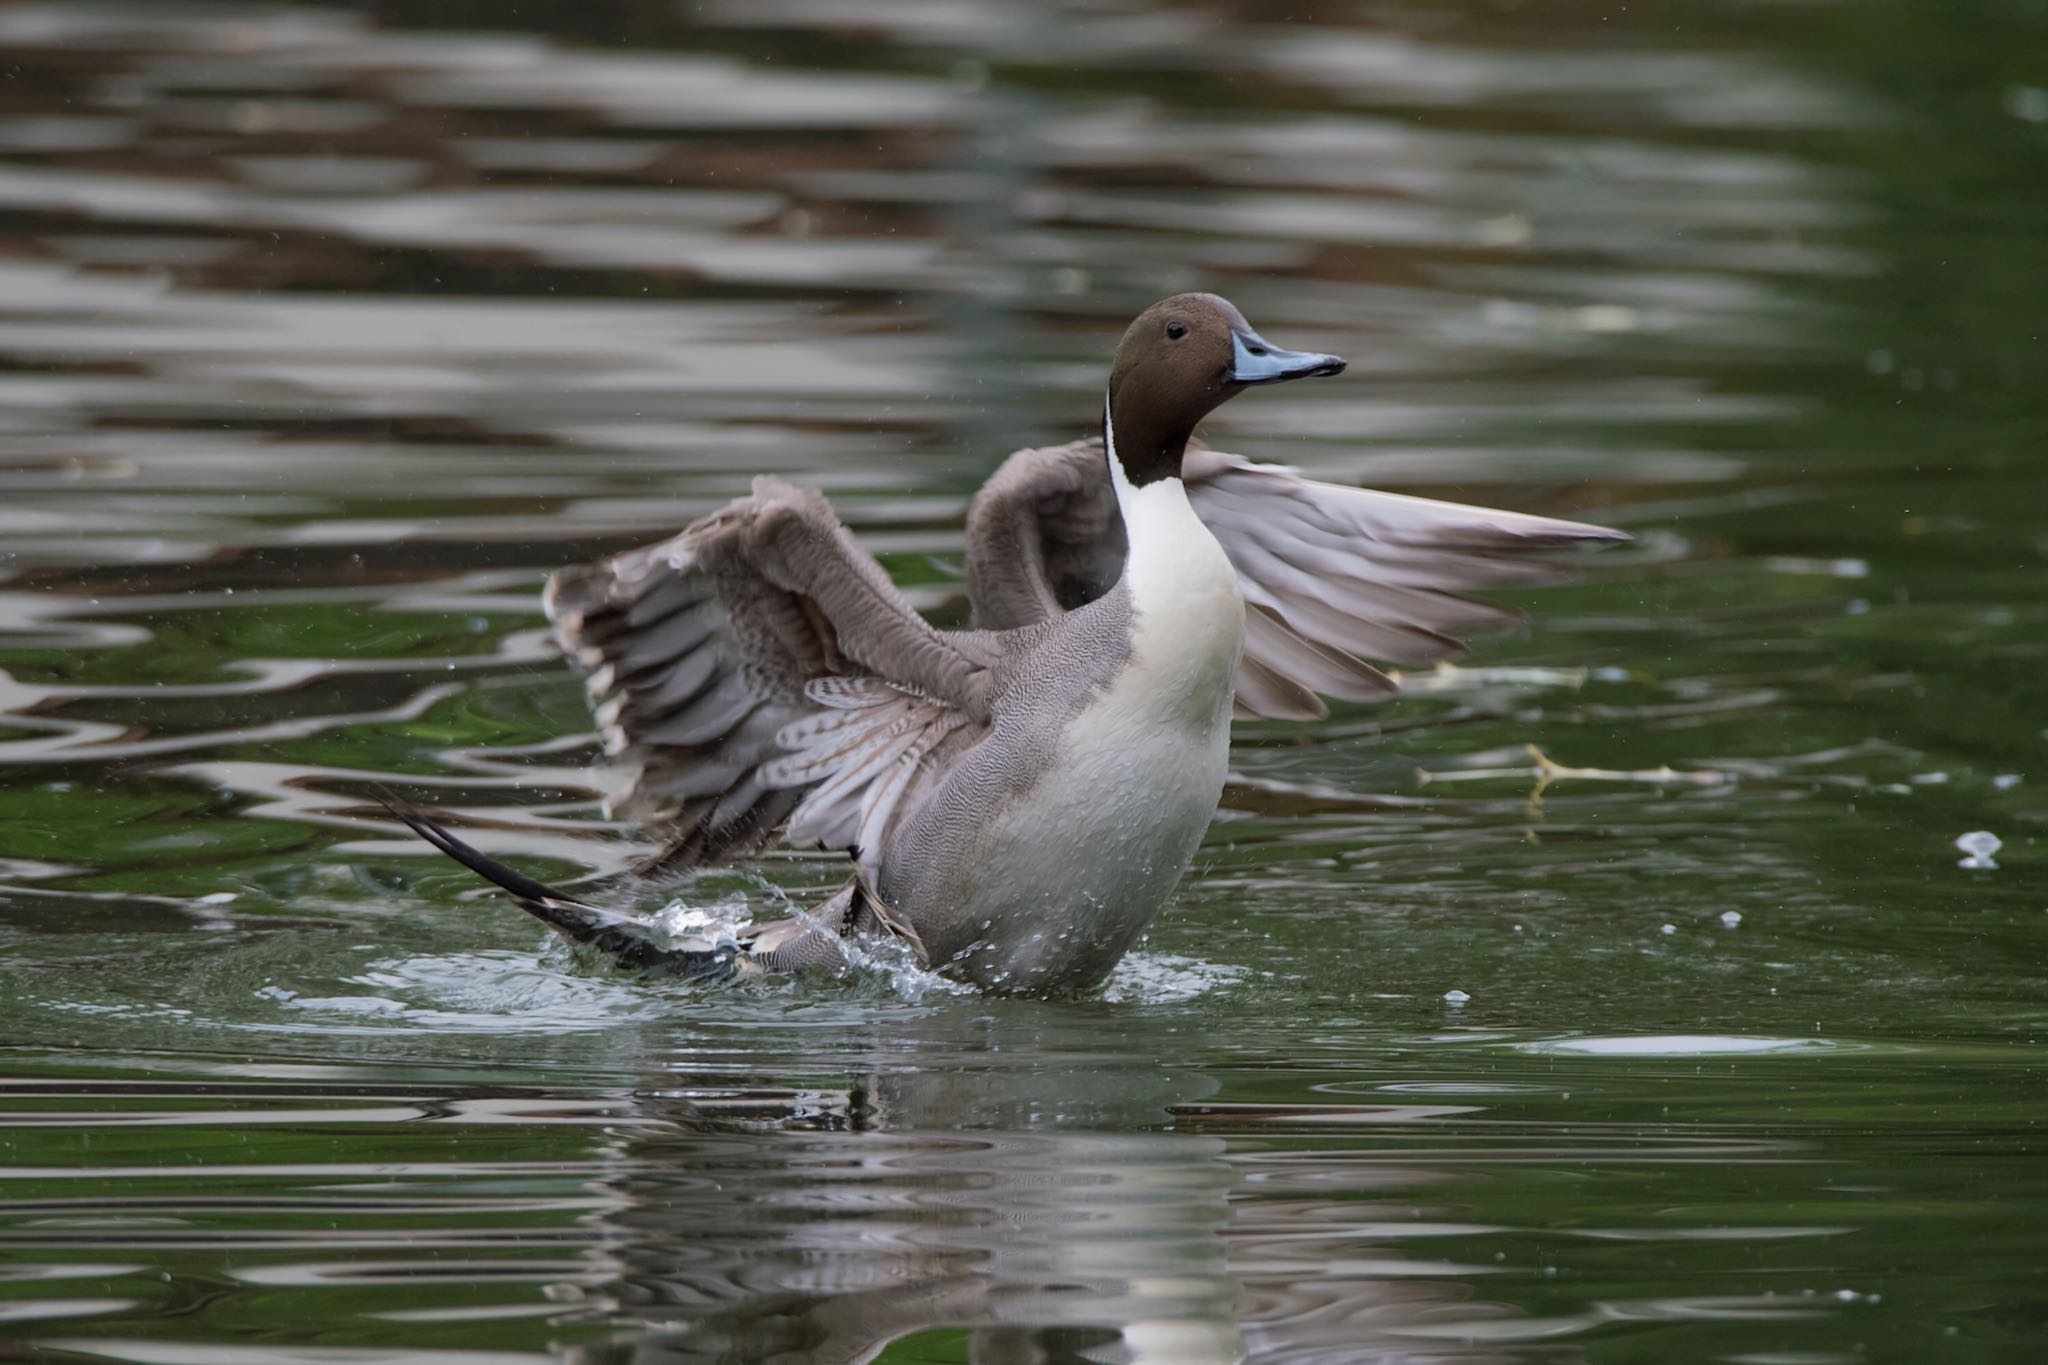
pixel 627 940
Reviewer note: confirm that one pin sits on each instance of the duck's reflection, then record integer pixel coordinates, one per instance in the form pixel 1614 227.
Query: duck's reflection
pixel 828 1247
pixel 1002 1181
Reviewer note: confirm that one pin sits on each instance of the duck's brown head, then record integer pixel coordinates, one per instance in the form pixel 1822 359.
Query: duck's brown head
pixel 1182 358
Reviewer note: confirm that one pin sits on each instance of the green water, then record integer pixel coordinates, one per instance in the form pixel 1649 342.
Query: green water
pixel 326 332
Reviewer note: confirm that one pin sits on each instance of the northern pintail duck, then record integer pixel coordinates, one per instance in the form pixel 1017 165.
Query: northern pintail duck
pixel 1021 798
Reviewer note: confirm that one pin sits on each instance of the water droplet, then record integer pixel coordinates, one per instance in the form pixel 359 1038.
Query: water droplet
pixel 2028 103
pixel 1978 846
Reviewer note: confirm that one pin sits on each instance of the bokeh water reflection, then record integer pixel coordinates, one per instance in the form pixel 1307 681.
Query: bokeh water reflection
pixel 325 331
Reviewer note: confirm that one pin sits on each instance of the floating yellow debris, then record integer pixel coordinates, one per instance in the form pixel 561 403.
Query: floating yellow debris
pixel 1548 770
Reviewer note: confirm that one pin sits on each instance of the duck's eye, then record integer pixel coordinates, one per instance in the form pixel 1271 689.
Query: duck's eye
pixel 1176 330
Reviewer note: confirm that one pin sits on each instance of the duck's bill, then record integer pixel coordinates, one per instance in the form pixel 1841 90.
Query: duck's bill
pixel 1254 360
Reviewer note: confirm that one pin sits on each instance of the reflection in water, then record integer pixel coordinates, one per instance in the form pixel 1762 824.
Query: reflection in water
pixel 1027 1192
pixel 973 1181
pixel 1047 1247
pixel 327 329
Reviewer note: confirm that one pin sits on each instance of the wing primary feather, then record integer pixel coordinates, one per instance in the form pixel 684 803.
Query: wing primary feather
pixel 1330 672
pixel 1333 575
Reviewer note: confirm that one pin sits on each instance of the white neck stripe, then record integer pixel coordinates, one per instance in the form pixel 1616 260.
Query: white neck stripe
pixel 1118 478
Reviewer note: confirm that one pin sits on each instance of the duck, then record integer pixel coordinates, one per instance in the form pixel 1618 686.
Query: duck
pixel 1019 798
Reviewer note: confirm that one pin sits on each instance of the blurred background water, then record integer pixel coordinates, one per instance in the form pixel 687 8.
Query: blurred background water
pixel 325 331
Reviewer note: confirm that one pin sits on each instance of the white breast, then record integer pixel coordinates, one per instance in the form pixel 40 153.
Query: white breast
pixel 1142 766
pixel 1071 873
pixel 1189 626
pixel 1147 756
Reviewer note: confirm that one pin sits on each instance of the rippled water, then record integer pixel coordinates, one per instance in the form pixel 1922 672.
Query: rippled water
pixel 325 332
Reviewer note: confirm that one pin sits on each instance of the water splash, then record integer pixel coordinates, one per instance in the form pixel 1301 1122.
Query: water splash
pixel 1166 979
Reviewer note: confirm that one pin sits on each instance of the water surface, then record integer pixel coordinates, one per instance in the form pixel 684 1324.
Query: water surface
pixel 325 332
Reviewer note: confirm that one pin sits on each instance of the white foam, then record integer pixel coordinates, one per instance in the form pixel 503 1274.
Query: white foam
pixel 1681 1045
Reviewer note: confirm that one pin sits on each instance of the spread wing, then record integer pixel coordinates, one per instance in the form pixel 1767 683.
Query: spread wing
pixel 1332 576
pixel 760 669
pixel 1043 536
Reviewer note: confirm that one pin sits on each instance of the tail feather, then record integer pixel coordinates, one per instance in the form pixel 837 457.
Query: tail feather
pixel 627 940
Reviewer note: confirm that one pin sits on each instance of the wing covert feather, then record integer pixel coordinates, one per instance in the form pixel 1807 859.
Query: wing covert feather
pixel 1043 535
pixel 706 656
